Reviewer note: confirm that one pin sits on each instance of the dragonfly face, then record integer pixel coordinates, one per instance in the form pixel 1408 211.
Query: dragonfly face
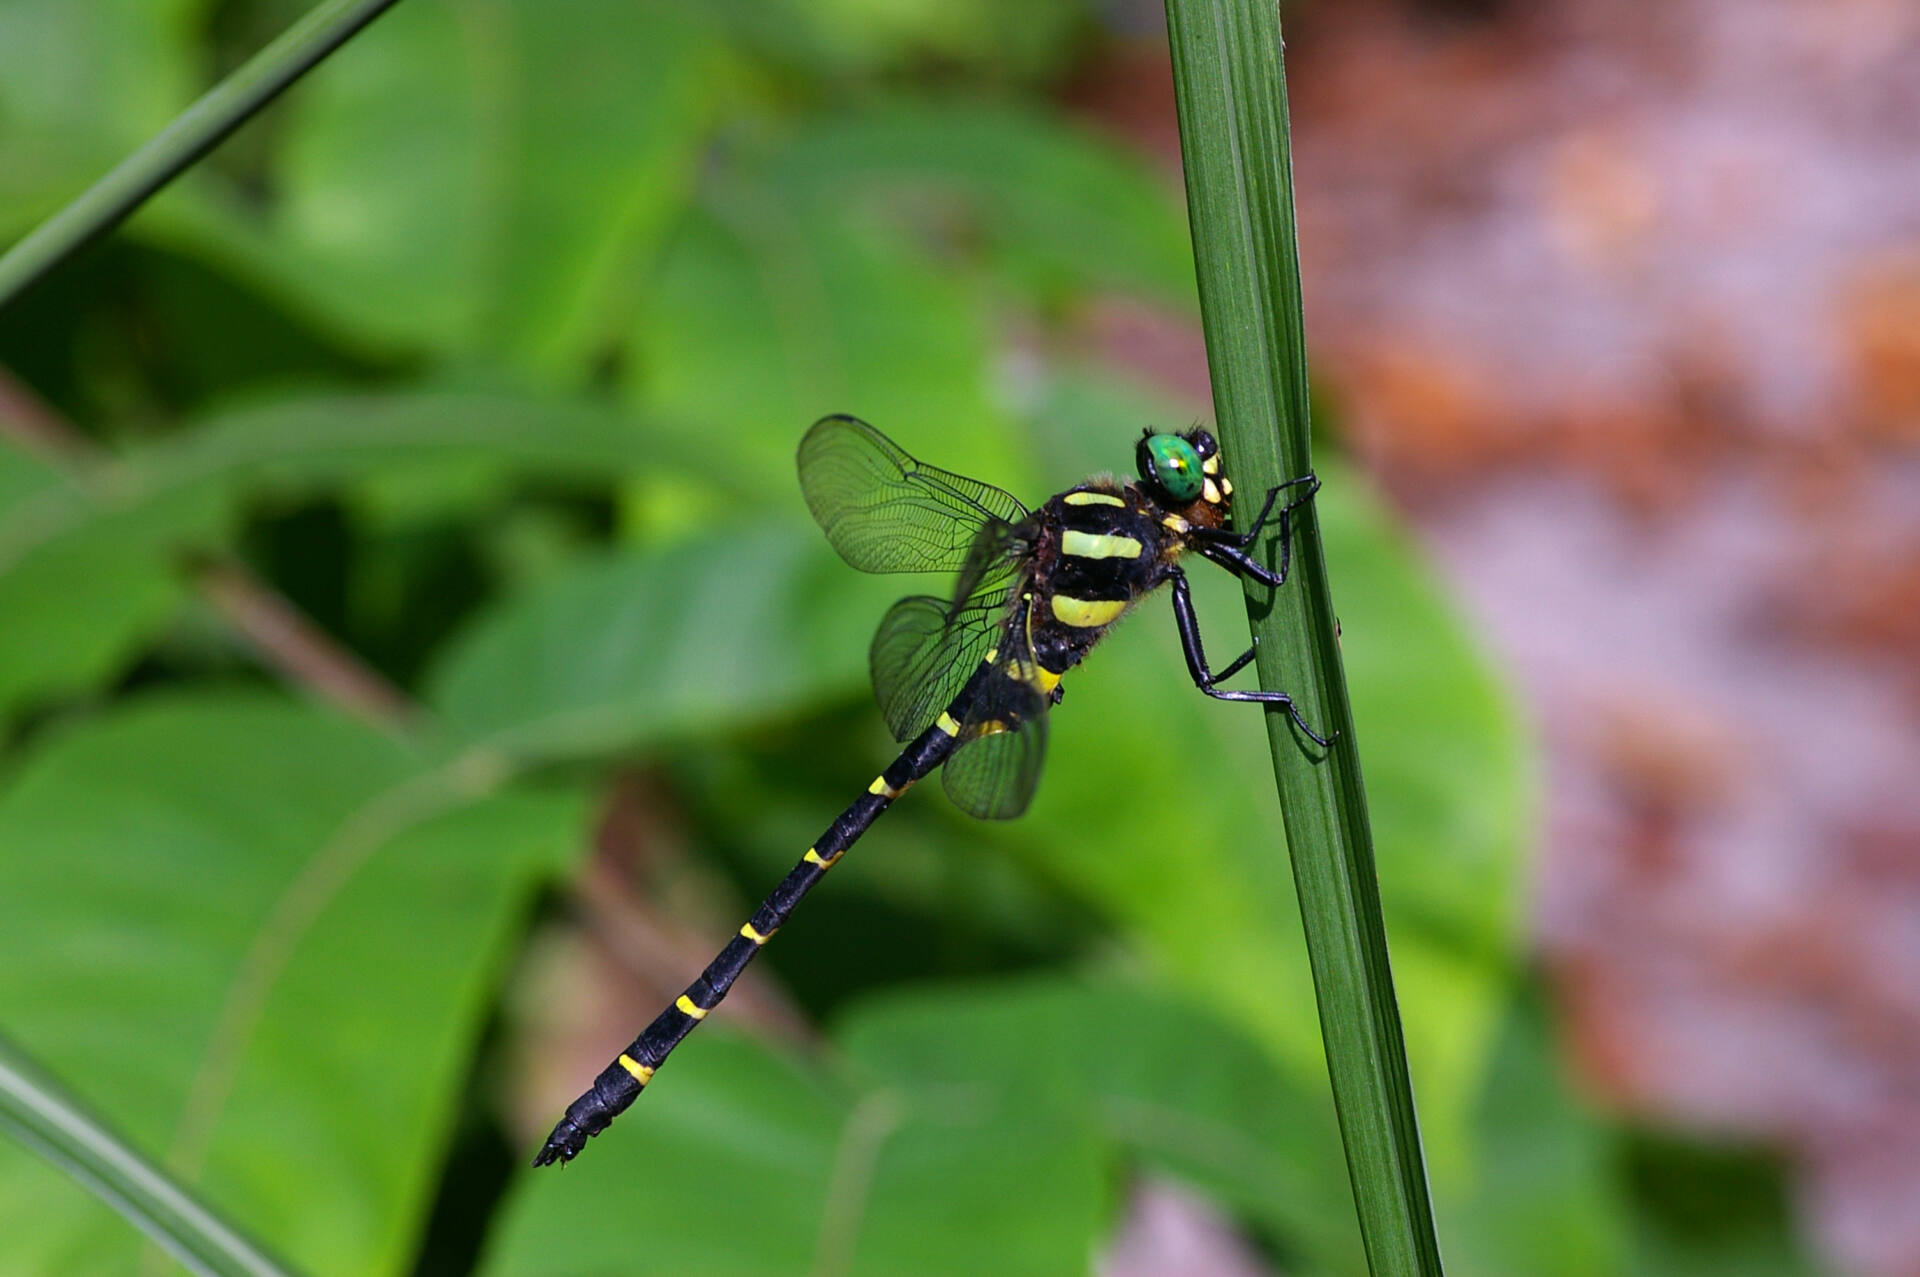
pixel 967 680
pixel 1182 473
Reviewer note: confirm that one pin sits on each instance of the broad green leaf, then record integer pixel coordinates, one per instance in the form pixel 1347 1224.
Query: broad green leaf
pixel 996 39
pixel 1064 208
pixel 737 1161
pixel 1710 1209
pixel 89 568
pixel 85 577
pixel 488 176
pixel 772 313
pixel 262 942
pixel 1159 1080
pixel 642 646
pixel 1012 1103
pixel 1542 1200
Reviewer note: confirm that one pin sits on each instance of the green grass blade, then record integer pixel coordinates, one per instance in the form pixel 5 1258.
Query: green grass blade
pixel 193 133
pixel 45 1119
pixel 1231 94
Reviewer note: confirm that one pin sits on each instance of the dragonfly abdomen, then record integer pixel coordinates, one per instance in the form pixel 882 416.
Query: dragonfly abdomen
pixel 620 1083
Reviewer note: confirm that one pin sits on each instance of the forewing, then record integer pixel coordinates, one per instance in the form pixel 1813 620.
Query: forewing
pixel 995 771
pixel 885 512
pixel 924 652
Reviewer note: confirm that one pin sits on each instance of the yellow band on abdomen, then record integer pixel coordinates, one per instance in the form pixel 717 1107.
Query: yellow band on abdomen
pixel 1086 614
pixel 1099 545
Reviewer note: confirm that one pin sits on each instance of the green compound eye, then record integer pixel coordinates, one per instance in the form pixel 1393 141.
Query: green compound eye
pixel 1172 463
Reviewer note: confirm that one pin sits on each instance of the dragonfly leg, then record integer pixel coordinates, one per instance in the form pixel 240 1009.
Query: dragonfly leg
pixel 1229 549
pixel 1205 679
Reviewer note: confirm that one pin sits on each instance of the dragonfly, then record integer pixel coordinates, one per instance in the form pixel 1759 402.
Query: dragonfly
pixel 966 680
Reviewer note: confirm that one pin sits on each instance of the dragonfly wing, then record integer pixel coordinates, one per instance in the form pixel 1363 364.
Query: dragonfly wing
pixel 1002 744
pixel 886 512
pixel 925 651
pixel 1003 735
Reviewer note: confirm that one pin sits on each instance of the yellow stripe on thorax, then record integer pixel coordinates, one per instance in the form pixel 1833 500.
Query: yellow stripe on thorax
pixel 1086 614
pixel 1093 498
pixel 1099 545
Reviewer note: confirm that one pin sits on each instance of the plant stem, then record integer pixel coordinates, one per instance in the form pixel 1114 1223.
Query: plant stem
pixel 193 133
pixel 45 1119
pixel 1231 95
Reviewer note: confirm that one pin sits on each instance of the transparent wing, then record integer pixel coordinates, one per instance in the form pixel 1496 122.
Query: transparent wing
pixel 1002 744
pixel 885 512
pixel 924 652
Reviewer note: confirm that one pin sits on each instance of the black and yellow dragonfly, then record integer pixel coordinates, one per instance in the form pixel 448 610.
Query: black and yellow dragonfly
pixel 967 680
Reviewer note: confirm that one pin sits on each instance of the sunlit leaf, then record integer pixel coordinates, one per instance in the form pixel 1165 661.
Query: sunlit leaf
pixel 494 176
pixel 1014 1103
pixel 741 1162
pixel 262 941
pixel 1065 209
pixel 639 647
pixel 774 313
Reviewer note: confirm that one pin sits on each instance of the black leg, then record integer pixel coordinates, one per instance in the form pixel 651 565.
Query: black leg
pixel 1204 678
pixel 1229 549
pixel 1240 563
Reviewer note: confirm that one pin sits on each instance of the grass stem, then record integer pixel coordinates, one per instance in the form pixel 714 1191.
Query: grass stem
pixel 1231 93
pixel 192 134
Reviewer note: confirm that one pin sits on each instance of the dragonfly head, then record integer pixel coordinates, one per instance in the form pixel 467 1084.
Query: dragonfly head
pixel 1182 473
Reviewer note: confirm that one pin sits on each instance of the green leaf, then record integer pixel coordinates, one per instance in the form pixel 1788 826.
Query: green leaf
pixel 1063 208
pixel 84 577
pixel 487 177
pixel 261 941
pixel 770 314
pixel 1542 1201
pixel 89 566
pixel 839 39
pixel 645 645
pixel 742 1162
pixel 1162 1083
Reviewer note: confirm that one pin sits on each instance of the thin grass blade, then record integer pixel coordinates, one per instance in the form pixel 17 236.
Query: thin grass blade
pixel 1231 94
pixel 38 1113
pixel 193 133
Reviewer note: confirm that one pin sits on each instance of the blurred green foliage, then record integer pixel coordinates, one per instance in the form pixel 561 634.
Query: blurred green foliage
pixel 489 349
